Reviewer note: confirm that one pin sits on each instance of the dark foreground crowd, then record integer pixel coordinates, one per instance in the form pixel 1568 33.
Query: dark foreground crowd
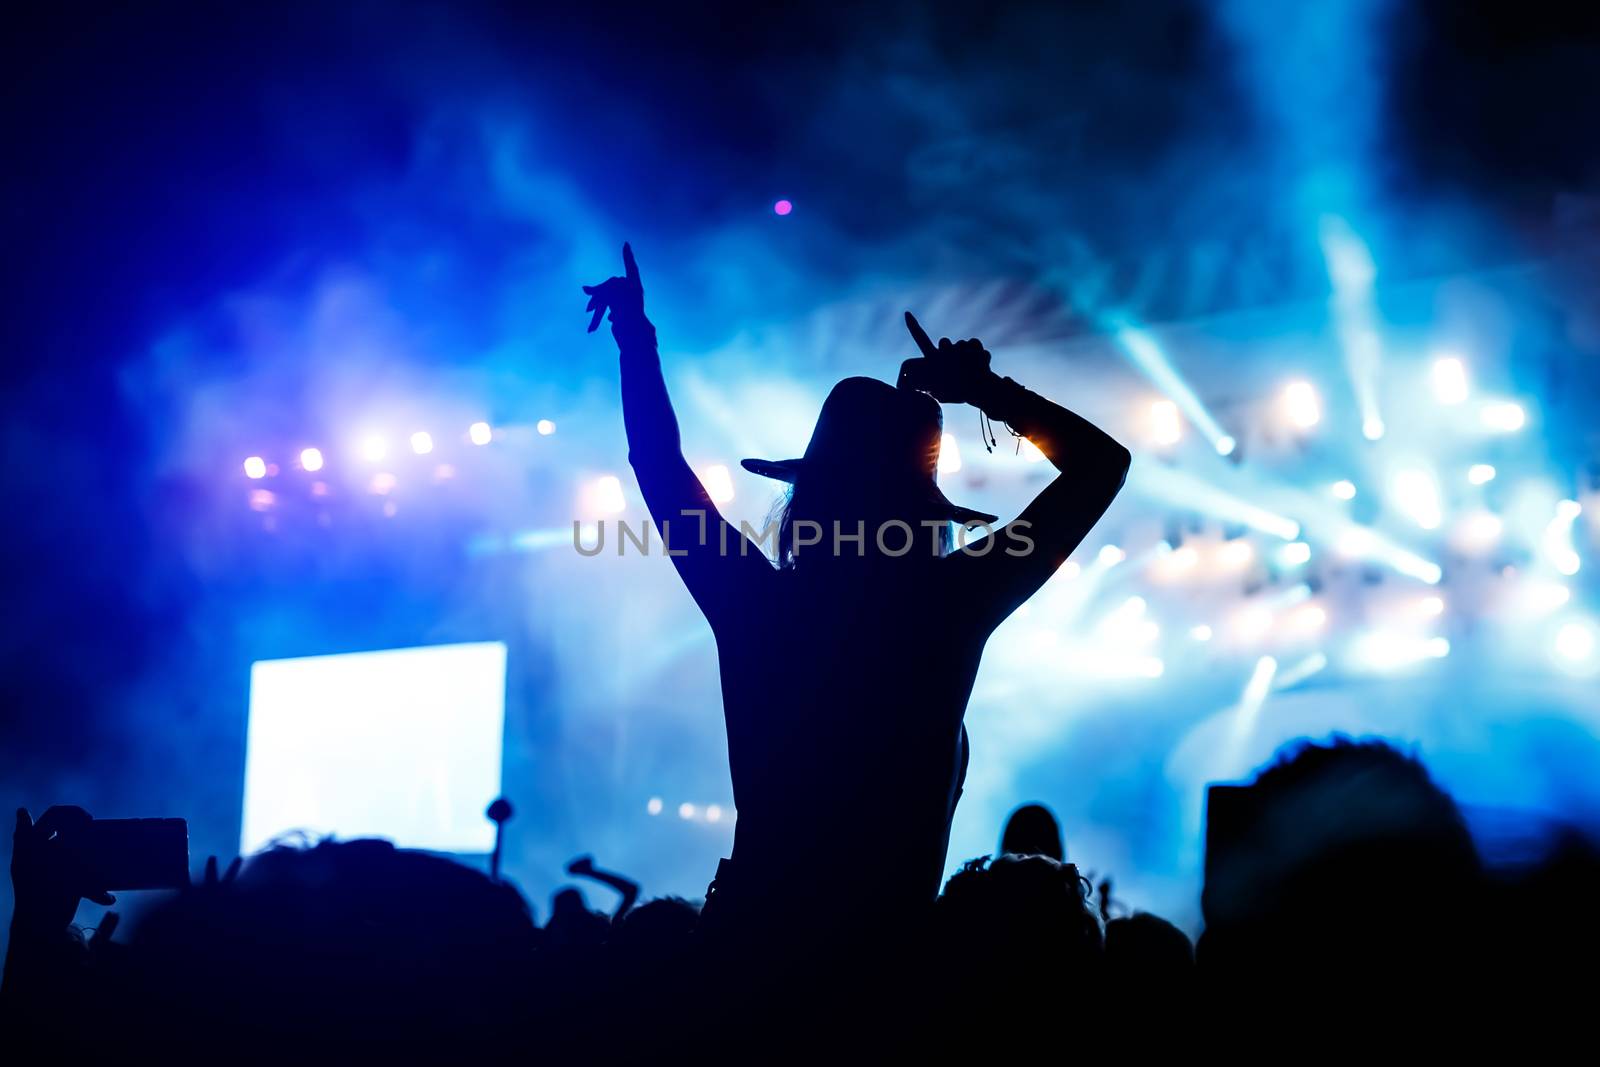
pixel 1344 899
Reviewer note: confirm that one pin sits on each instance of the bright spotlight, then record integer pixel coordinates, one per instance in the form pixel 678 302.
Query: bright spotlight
pixel 949 454
pixel 480 433
pixel 654 806
pixel 1165 426
pixel 1568 510
pixel 686 810
pixel 1344 489
pixel 1236 554
pixel 782 207
pixel 713 813
pixel 1449 380
pixel 1541 597
pixel 1180 560
pixel 545 427
pixel 607 496
pixel 1110 556
pixel 718 483
pixel 311 459
pixel 1309 617
pixel 1295 553
pixel 1417 494
pixel 1226 445
pixel 1557 541
pixel 1385 650
pixel 1372 428
pixel 1432 606
pixel 422 442
pixel 1480 473
pixel 1201 632
pixel 1480 530
pixel 255 468
pixel 1030 451
pixel 1357 541
pixel 1575 642
pixel 374 448
pixel 1070 570
pixel 1300 405
pixel 1253 622
pixel 1503 417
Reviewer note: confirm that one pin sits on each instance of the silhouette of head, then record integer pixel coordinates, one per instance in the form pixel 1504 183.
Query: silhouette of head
pixel 1032 830
pixel 1146 949
pixel 1020 915
pixel 872 467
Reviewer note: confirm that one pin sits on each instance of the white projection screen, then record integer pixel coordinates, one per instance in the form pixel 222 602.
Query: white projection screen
pixel 402 744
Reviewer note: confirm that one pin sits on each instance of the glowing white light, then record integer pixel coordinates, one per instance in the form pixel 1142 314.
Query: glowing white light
pixel 1295 553
pixel 1480 473
pixel 1372 428
pixel 686 810
pixel 1557 540
pixel 1541 598
pixel 422 442
pixel 606 495
pixel 1383 650
pixel 713 813
pixel 1070 569
pixel 1299 672
pixel 1568 510
pixel 949 454
pixel 1431 605
pixel 1449 380
pixel 1110 555
pixel 1357 541
pixel 374 448
pixel 1180 560
pixel 255 467
pixel 311 459
pixel 1030 451
pixel 1503 417
pixel 1235 554
pixel 1309 617
pixel 1151 667
pixel 1165 426
pixel 1201 632
pixel 1253 622
pixel 1575 642
pixel 1300 405
pixel 480 433
pixel 1480 530
pixel 1417 494
pixel 1226 445
pixel 545 427
pixel 1567 562
pixel 718 483
pixel 654 806
pixel 1344 489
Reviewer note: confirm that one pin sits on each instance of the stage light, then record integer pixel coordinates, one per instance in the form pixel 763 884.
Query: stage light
pixel 782 207
pixel 1372 429
pixel 311 459
pixel 1295 553
pixel 545 427
pixel 949 454
pixel 374 448
pixel 1293 676
pixel 422 442
pixel 1151 667
pixel 1503 417
pixel 1030 451
pixel 1201 632
pixel 607 497
pixel 1309 617
pixel 1235 554
pixel 1575 642
pixel 686 810
pixel 1386 650
pixel 1417 494
pixel 1344 489
pixel 383 482
pixel 255 468
pixel 713 813
pixel 1146 354
pixel 1542 597
pixel 1070 569
pixel 1253 622
pixel 1480 473
pixel 1180 560
pixel 1300 405
pixel 718 483
pixel 1165 426
pixel 1449 380
pixel 1557 541
pixel 1225 445
pixel 262 499
pixel 1110 556
pixel 1357 541
pixel 1568 510
pixel 654 806
pixel 1480 530
pixel 480 433
pixel 1431 606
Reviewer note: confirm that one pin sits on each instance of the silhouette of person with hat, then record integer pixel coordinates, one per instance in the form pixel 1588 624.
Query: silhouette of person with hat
pixel 846 666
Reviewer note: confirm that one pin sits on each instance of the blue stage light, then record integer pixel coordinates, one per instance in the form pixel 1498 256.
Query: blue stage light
pixel 255 467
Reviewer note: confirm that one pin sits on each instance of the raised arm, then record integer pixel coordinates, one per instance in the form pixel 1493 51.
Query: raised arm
pixel 714 559
pixel 1002 570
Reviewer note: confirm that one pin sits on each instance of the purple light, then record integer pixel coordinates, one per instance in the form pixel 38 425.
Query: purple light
pixel 782 207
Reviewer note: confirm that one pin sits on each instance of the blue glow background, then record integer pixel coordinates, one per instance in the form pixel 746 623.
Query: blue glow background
pixel 244 231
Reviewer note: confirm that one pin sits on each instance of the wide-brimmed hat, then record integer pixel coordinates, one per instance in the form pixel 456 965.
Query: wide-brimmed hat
pixel 870 432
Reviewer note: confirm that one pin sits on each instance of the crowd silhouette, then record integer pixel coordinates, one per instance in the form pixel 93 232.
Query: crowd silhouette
pixel 1341 884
